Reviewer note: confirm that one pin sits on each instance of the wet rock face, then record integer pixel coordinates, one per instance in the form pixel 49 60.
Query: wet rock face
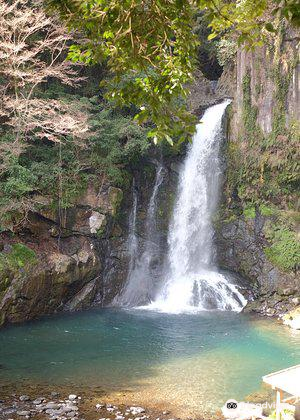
pixel 56 282
pixel 117 245
pixel 70 257
pixel 240 248
pixel 82 257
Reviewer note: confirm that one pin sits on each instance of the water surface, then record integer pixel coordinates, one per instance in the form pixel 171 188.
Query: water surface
pixel 190 361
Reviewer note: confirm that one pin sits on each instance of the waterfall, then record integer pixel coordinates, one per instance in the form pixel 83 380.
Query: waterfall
pixel 132 236
pixel 192 282
pixel 143 268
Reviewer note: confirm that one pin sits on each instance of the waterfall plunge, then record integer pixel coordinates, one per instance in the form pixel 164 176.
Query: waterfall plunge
pixel 192 283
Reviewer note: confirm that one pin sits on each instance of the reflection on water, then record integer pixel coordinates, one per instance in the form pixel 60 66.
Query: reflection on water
pixel 189 361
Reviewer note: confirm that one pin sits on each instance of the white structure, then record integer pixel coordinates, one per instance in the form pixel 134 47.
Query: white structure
pixel 286 380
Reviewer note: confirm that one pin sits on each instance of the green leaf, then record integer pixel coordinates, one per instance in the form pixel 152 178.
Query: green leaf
pixel 212 36
pixel 269 27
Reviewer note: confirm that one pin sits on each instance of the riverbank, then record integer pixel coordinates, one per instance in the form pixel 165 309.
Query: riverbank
pixel 42 403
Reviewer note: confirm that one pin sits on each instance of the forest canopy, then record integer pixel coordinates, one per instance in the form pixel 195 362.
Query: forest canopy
pixel 150 48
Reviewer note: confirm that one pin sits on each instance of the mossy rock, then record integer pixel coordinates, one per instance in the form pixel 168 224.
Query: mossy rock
pixel 115 198
pixel 19 256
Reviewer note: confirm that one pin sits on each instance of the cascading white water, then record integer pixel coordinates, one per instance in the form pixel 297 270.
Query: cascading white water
pixel 192 283
pixel 139 287
pixel 132 237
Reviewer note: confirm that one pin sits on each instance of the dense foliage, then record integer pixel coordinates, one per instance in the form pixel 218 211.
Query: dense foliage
pixel 150 47
pixel 60 171
pixel 52 139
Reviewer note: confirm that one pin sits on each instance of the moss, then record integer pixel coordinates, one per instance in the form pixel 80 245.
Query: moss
pixel 258 89
pixel 115 199
pixel 19 257
pixel 101 231
pixel 263 168
pixel 249 212
pixel 281 82
pixel 166 206
pixel 249 111
pixel 285 249
pixel 267 210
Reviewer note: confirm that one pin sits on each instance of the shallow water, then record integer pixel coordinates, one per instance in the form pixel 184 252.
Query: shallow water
pixel 194 361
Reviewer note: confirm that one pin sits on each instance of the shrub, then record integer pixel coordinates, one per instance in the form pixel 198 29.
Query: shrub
pixel 285 249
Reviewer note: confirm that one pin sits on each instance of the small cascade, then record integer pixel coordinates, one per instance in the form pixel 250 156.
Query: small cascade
pixel 143 267
pixel 132 236
pixel 192 282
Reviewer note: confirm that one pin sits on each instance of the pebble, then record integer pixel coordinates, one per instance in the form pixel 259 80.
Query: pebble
pixel 72 414
pixel 72 397
pixel 23 413
pixel 68 408
pixel 54 394
pixel 99 406
pixel 51 411
pixel 137 410
pixel 166 413
pixel 38 401
pixel 119 417
pixel 110 409
pixel 51 406
pixel 24 398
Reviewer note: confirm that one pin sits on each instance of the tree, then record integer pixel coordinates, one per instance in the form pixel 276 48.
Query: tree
pixel 32 51
pixel 150 47
pixel 32 48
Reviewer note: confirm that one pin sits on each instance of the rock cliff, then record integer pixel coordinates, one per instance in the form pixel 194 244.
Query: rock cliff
pixel 258 226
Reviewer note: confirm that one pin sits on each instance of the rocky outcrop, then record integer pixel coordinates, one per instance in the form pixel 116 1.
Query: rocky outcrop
pixel 70 253
pixel 47 286
pixel 241 247
pixel 274 77
pixel 259 205
pixel 82 253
